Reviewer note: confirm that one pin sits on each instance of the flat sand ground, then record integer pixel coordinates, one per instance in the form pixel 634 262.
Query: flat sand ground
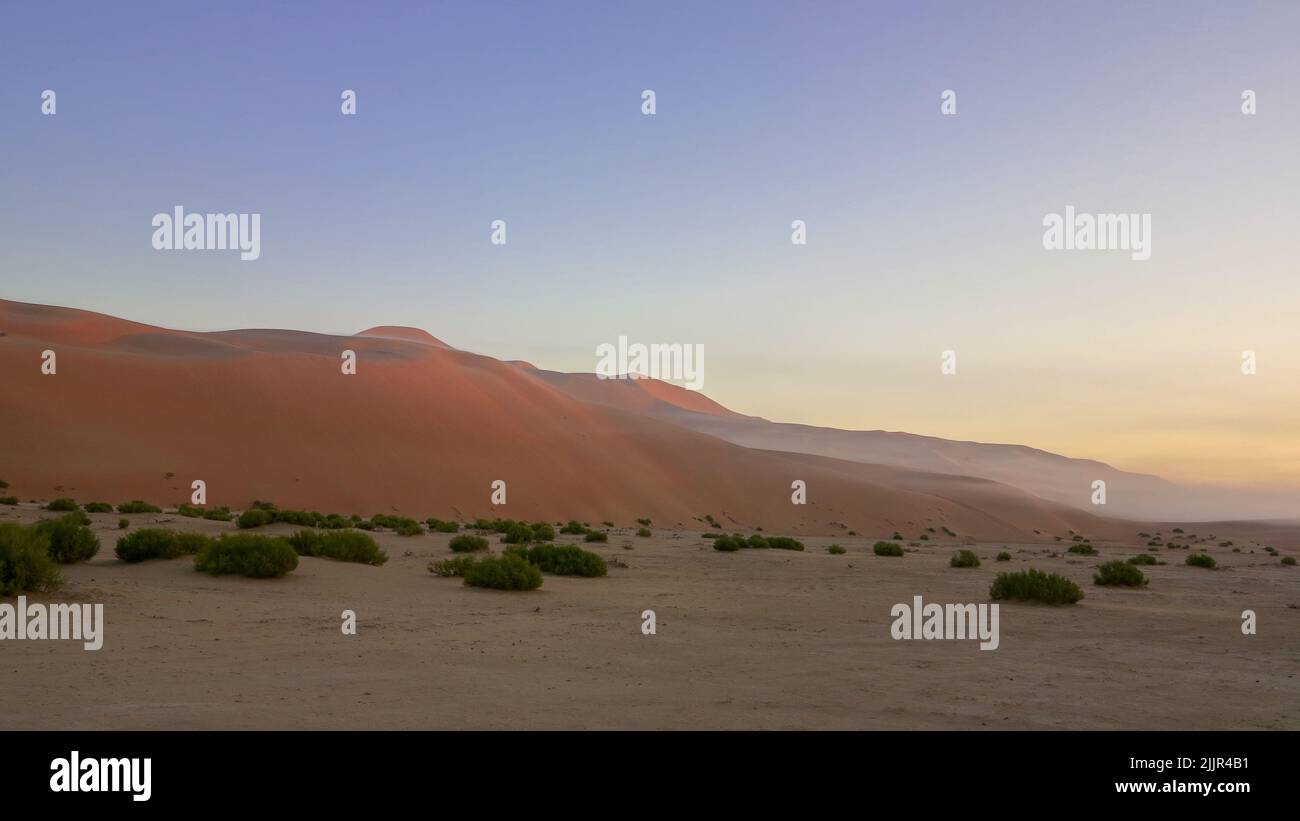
pixel 753 639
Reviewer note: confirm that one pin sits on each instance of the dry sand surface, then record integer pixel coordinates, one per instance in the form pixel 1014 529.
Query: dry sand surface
pixel 753 639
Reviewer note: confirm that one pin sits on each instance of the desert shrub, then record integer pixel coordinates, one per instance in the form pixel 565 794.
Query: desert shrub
pixel 923 537
pixel 25 562
pixel 898 537
pixel 517 533
pixel 343 545
pixel 189 511
pixel 455 566
pixel 70 540
pixel 1034 585
pixel 836 550
pixel 964 558
pixel 1004 556
pixel 138 506
pixel 783 543
pixel 412 529
pixel 467 543
pixel 596 536
pixel 158 543
pixel 573 528
pixel 1288 560
pixel 644 532
pixel 643 522
pixel 439 526
pixel 887 549
pixel 1119 574
pixel 1143 559
pixel 542 532
pixel 220 514
pixel 1083 549
pixel 608 524
pixel 254 517
pixel 8 500
pixel 63 505
pixel 123 524
pixel 1200 560
pixel 247 554
pixel 727 544
pixel 98 507
pixel 509 572
pixel 564 560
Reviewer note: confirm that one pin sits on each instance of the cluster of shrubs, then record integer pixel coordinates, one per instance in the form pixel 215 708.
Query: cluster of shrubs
pixel 25 561
pixel 1083 549
pixel 69 538
pixel 344 545
pixel 964 558
pixel 561 559
pixel 247 554
pixel 888 549
pixel 1004 556
pixel 8 500
pixel 1200 560
pixel 1144 559
pixel 265 513
pixel 1119 574
pixel 98 507
pixel 468 543
pixel 737 541
pixel 216 514
pixel 138 506
pixel 1034 585
pixel 836 550
pixel 439 526
pixel 159 543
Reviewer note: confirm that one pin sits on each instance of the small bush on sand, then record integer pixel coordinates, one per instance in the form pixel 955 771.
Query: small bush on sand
pixel 517 533
pixel 563 560
pixel 509 572
pixel 783 543
pixel 455 566
pixel 25 563
pixel 887 549
pixel 836 550
pixel 573 528
pixel 643 522
pixel 63 505
pixel 644 532
pixel 439 526
pixel 596 536
pixel 70 540
pixel 727 544
pixel 1119 574
pixel 1004 556
pixel 123 524
pixel 256 517
pixel 467 543
pixel 964 558
pixel 138 506
pixel 343 545
pixel 158 543
pixel 1289 561
pixel 1034 585
pixel 542 532
pixel 8 500
pixel 1200 560
pixel 247 554
pixel 98 507
pixel 1083 549
pixel 1143 559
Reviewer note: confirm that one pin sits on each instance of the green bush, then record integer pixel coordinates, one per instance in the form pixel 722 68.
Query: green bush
pixel 138 506
pixel 1143 559
pixel 1034 585
pixel 123 524
pixel 63 505
pixel 573 528
pixel 343 545
pixel 596 536
pixel 455 566
pixel 70 540
pixel 887 549
pixel 542 532
pixel 836 550
pixel 1083 549
pixel 563 560
pixel 25 562
pixel 727 544
pixel 467 543
pixel 1288 560
pixel 247 554
pixel 782 543
pixel 644 532
pixel 1200 560
pixel 517 533
pixel 1119 574
pixel 1004 556
pixel 253 517
pixel 964 558
pixel 98 507
pixel 439 526
pixel 643 522
pixel 8 500
pixel 158 543
pixel 509 572
pixel 412 529
pixel 220 514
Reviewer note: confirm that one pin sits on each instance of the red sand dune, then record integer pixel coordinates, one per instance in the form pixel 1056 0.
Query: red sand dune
pixel 422 429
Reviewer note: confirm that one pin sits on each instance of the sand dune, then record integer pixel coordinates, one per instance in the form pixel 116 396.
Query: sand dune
pixel 138 412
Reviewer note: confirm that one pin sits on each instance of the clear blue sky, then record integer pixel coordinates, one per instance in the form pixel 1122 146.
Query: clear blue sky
pixel 924 231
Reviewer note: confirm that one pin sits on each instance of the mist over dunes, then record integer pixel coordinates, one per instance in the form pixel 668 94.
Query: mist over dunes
pixel 137 411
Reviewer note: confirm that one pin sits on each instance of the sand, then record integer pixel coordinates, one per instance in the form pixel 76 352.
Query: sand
pixel 754 639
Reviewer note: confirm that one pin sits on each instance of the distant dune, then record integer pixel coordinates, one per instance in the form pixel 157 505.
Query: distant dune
pixel 138 412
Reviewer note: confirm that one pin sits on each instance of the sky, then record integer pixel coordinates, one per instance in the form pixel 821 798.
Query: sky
pixel 924 230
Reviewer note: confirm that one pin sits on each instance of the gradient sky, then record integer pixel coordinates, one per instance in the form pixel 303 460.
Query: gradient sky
pixel 924 231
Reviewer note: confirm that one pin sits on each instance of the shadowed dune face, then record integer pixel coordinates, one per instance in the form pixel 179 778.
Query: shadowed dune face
pixel 423 432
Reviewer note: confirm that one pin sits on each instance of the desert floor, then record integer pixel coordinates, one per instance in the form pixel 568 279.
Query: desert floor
pixel 753 639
